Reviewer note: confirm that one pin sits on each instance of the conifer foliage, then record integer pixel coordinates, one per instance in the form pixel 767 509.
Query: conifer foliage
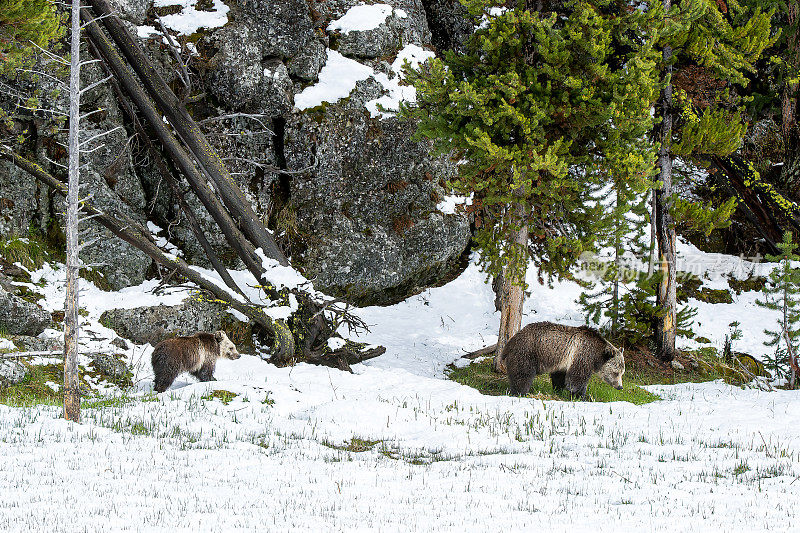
pixel 24 25
pixel 720 40
pixel 782 293
pixel 547 100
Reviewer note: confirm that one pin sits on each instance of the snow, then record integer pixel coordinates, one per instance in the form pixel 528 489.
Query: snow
pixel 432 454
pixel 6 344
pixel 339 77
pixel 447 458
pixel 336 80
pixel 189 20
pixel 451 203
pixel 364 18
pixel 412 54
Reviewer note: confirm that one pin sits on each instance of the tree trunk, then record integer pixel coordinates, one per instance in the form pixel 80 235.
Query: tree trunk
pixel 665 226
pixel 166 175
pixel 651 259
pixel 72 392
pixel 512 299
pixel 790 89
pixel 189 132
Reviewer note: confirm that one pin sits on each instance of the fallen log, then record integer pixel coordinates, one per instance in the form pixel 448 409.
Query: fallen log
pixel 480 353
pixel 182 160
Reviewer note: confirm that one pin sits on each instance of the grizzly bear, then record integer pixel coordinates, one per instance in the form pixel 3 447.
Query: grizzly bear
pixel 196 354
pixel 569 354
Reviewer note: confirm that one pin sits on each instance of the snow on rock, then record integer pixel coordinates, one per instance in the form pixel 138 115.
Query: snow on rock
pixel 189 20
pixel 412 54
pixel 339 77
pixel 336 80
pixel 450 203
pixel 364 18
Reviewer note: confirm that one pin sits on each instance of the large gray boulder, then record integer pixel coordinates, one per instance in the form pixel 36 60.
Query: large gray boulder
pixel 389 26
pixel 20 317
pixel 153 324
pixel 370 208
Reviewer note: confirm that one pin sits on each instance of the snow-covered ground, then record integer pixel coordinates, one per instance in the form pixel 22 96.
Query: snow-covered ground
pixel 395 447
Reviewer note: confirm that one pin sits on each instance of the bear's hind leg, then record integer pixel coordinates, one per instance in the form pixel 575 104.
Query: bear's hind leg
pixel 520 383
pixel 164 379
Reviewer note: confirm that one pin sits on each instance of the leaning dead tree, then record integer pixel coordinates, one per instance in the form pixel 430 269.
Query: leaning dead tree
pixel 177 142
pixel 136 235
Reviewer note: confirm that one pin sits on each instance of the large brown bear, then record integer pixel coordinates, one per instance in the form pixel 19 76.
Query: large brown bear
pixel 569 354
pixel 196 354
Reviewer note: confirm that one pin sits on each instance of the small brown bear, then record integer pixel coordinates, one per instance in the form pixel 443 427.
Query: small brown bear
pixel 196 354
pixel 569 354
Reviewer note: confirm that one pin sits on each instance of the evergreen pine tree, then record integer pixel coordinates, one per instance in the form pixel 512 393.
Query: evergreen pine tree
pixel 782 293
pixel 546 101
pixel 616 297
pixel 721 39
pixel 24 25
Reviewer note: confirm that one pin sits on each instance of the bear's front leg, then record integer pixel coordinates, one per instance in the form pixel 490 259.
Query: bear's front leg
pixel 557 379
pixel 206 372
pixel 577 379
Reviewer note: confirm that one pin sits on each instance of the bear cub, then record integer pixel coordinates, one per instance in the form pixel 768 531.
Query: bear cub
pixel 196 354
pixel 569 354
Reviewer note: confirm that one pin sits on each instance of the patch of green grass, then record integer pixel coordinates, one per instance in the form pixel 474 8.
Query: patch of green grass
pixel 32 390
pixel 30 252
pixel 268 399
pixel 224 396
pixel 355 445
pixel 479 375
pixel 741 468
pixel 114 401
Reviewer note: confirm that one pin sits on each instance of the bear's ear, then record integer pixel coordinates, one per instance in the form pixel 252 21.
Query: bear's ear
pixel 608 354
pixel 219 335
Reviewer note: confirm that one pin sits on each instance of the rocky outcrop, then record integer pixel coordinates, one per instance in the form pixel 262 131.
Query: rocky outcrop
pixel 341 181
pixel 154 324
pixel 370 208
pixel 20 317
pixel 365 208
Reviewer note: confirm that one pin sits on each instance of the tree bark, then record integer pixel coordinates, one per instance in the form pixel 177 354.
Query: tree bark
pixel 665 225
pixel 189 132
pixel 512 298
pixel 72 391
pixel 283 345
pixel 790 89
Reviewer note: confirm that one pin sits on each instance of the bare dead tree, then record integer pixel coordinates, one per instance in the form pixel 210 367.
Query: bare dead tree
pixel 72 393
